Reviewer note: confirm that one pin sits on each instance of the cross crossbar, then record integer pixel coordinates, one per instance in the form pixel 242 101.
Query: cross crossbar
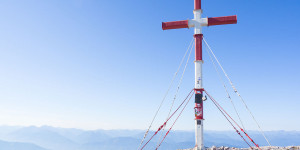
pixel 210 22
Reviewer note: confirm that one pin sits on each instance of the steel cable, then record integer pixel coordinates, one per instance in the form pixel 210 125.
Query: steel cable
pixel 235 90
pixel 161 103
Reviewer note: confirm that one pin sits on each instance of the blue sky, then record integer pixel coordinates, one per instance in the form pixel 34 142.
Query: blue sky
pixel 107 64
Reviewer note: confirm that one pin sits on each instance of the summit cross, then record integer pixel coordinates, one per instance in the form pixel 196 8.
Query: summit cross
pixel 197 23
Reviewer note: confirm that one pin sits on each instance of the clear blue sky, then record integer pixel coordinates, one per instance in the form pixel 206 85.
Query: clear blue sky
pixel 106 64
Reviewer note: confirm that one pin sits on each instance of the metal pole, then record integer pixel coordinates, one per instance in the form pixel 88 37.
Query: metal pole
pixel 198 77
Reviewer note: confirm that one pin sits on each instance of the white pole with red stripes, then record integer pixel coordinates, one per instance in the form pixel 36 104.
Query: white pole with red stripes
pixel 197 23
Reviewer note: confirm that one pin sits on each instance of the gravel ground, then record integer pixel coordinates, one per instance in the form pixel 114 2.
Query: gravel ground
pixel 254 148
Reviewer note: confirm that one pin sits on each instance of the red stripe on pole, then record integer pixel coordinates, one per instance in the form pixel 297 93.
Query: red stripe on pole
pixel 222 20
pixel 199 91
pixel 175 24
pixel 197 4
pixel 198 46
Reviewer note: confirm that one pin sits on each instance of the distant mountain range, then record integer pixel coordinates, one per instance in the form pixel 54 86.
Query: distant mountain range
pixel 51 138
pixel 18 146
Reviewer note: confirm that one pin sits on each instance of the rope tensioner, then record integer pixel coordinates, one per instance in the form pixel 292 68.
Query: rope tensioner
pixel 188 97
pixel 226 116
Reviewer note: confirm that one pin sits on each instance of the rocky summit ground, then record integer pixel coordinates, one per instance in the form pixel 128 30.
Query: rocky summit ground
pixel 254 148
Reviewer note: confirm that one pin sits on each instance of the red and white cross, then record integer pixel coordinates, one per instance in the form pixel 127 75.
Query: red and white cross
pixel 197 23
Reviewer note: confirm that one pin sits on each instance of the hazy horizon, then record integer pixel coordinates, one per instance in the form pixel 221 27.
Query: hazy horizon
pixel 154 129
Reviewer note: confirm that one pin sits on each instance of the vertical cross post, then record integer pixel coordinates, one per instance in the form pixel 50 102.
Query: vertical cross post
pixel 197 23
